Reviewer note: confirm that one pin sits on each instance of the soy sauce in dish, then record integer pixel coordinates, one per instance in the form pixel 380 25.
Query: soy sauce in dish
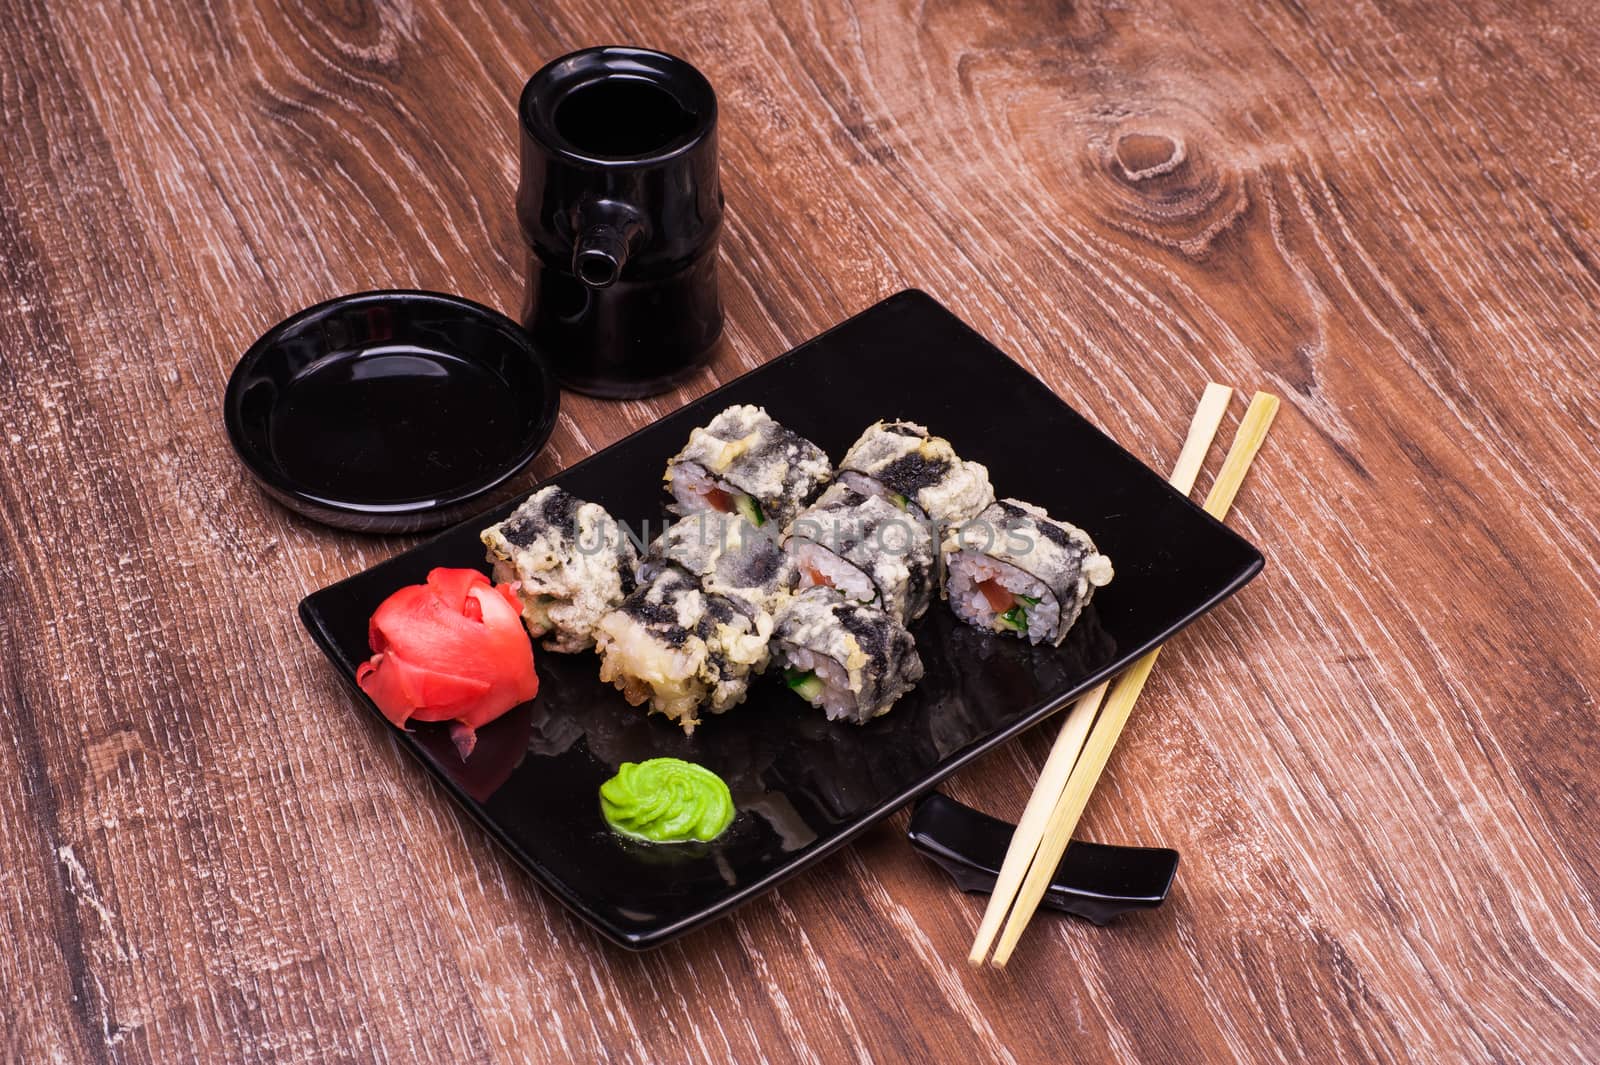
pixel 400 422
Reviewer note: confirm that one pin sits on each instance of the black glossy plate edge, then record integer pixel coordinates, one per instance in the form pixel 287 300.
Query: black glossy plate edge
pixel 646 940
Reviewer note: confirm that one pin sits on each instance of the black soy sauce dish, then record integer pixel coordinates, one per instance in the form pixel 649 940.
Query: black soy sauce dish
pixel 390 411
pixel 620 209
pixel 1095 881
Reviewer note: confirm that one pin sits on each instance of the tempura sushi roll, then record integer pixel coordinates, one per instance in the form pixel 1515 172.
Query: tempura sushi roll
pixel 681 649
pixel 572 561
pixel 730 557
pixel 1016 570
pixel 867 548
pixel 744 462
pixel 917 472
pixel 852 660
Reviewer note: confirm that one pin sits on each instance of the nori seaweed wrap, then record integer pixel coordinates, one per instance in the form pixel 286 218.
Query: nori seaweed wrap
pixel 729 555
pixel 679 648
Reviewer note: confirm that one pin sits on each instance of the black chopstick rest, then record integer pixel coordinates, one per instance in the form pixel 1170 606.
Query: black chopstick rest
pixel 1094 881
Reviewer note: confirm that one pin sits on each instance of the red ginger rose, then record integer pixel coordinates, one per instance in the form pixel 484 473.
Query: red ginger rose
pixel 452 649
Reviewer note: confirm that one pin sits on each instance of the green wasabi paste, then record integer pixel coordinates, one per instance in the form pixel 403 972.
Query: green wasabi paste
pixel 666 800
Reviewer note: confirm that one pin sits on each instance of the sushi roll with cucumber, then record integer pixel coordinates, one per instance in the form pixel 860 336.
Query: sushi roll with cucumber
pixel 681 649
pixel 867 548
pixel 917 472
pixel 729 555
pixel 1016 570
pixel 851 660
pixel 743 462
pixel 571 560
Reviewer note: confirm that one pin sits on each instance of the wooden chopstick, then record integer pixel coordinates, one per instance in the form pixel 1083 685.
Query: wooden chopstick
pixel 1124 693
pixel 1075 728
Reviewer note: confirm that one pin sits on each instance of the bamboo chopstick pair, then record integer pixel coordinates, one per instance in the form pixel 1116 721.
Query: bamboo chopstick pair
pixel 1084 744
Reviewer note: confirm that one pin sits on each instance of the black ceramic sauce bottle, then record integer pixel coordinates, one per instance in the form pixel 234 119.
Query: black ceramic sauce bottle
pixel 620 206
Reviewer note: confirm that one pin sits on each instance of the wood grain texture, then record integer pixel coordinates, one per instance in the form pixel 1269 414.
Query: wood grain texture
pixel 1378 761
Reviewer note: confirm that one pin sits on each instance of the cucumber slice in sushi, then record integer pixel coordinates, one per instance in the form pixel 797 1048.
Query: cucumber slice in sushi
pixel 806 685
pixel 749 510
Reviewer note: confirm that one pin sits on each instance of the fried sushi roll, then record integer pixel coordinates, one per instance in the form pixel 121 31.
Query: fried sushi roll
pixel 572 562
pixel 917 472
pixel 1016 570
pixel 851 660
pixel 744 462
pixel 867 548
pixel 681 649
pixel 730 556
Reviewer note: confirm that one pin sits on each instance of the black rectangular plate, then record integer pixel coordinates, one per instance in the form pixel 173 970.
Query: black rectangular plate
pixel 804 786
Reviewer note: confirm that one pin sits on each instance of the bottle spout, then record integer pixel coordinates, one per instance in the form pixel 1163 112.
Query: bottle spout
pixel 600 253
pixel 608 232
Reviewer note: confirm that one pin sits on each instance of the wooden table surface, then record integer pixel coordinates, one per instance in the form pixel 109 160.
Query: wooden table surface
pixel 1378 760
